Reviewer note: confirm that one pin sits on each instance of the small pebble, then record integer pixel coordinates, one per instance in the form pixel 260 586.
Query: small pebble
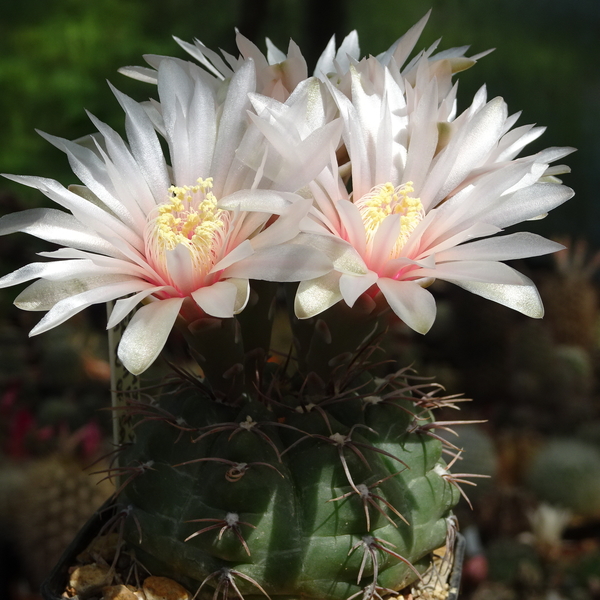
pixel 163 588
pixel 88 579
pixel 119 592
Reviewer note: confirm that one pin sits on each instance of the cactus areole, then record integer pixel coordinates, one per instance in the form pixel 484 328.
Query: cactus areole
pixel 273 484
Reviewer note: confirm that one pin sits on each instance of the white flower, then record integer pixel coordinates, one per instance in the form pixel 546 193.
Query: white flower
pixel 142 230
pixel 278 74
pixel 425 184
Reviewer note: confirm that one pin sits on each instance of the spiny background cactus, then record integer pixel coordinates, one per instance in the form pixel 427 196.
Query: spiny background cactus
pixel 324 485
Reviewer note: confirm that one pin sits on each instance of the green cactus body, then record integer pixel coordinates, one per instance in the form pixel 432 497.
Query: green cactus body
pixel 326 496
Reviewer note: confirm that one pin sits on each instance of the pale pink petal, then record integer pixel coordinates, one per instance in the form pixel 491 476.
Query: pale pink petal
pixel 115 265
pixel 348 50
pixel 383 242
pixel 412 303
pixel 208 58
pixel 92 171
pixel 147 334
pixel 180 268
pixel 353 224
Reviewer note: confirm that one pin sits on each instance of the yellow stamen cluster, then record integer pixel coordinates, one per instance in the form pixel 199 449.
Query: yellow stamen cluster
pixel 385 200
pixel 189 217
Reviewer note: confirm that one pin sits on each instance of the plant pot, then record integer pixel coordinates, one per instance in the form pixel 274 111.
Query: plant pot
pixel 54 586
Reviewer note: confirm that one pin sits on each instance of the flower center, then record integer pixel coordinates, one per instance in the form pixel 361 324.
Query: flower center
pixel 189 218
pixel 385 200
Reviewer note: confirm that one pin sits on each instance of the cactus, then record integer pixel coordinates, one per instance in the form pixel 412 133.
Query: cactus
pixel 320 487
pixel 566 473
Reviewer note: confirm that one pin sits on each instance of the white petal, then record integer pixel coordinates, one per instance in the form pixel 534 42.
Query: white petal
pixel 71 305
pixel 412 303
pixel 147 334
pixel 218 299
pixel 285 227
pixel 44 293
pixel 232 125
pixel 404 46
pixel 51 270
pixel 140 73
pixel 475 270
pixel 442 243
pixel 274 54
pixel 90 215
pixel 325 61
pixel 93 171
pixel 266 201
pixel 352 286
pixel 464 152
pixel 348 49
pixel 124 306
pixel 344 257
pixel 145 146
pixel 522 298
pixel 290 262
pixel 244 250
pixel 57 227
pixel 122 157
pixel 508 247
pixel 242 295
pixel 423 139
pixel 317 295
pixel 528 203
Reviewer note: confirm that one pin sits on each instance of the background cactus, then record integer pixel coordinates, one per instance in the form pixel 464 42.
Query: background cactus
pixel 317 486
